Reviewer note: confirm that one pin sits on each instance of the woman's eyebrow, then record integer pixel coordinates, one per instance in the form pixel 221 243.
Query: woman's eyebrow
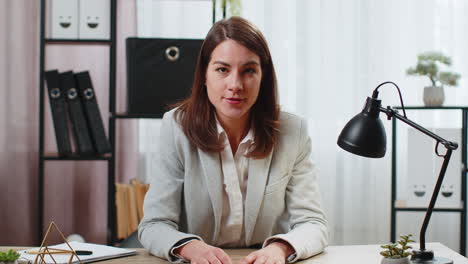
pixel 222 63
pixel 245 64
pixel 252 63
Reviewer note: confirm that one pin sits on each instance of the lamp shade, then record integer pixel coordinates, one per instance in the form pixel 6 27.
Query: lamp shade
pixel 365 135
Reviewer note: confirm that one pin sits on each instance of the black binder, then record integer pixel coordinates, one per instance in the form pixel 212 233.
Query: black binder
pixel 78 121
pixel 58 109
pixel 92 113
pixel 159 73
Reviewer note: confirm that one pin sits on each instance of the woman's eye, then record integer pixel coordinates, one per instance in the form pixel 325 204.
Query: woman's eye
pixel 250 70
pixel 221 69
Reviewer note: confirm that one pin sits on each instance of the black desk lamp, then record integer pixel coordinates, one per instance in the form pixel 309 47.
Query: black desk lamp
pixel 364 135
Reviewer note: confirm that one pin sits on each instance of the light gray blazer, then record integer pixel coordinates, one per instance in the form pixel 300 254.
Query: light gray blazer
pixel 282 200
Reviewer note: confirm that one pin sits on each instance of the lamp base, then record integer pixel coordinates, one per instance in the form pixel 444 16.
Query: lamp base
pixel 427 257
pixel 436 260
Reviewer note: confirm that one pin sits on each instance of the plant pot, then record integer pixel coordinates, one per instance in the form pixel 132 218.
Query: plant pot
pixel 9 262
pixel 395 261
pixel 433 96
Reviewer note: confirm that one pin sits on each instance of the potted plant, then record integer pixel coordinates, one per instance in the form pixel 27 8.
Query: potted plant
pixel 9 257
pixel 428 65
pixel 235 7
pixel 397 253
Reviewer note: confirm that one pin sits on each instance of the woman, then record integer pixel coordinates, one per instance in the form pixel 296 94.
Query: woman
pixel 233 170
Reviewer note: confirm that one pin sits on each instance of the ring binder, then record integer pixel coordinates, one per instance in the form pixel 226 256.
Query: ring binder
pixel 58 109
pixel 80 128
pixel 92 113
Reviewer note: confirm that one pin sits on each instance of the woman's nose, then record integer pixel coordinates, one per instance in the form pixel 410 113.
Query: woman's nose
pixel 235 82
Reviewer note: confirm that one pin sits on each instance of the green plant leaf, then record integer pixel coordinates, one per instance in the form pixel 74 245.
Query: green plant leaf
pixel 398 250
pixel 235 6
pixel 10 255
pixel 449 78
pixel 428 65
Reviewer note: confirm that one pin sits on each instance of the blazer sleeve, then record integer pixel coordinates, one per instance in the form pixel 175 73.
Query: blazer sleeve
pixel 159 229
pixel 308 235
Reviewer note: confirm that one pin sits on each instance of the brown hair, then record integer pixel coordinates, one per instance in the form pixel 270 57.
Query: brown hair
pixel 196 114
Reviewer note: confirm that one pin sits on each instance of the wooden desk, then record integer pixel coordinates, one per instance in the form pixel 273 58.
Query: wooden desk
pixel 333 255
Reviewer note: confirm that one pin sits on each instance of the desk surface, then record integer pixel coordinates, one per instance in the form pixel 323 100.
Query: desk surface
pixel 361 254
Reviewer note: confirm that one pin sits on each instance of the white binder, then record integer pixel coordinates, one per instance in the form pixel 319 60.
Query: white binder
pixel 94 21
pixel 63 19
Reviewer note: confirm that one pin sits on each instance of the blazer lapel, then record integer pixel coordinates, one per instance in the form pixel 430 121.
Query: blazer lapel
pixel 212 167
pixel 258 175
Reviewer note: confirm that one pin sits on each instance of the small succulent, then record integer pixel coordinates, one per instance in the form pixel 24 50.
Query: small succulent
pixel 9 256
pixel 428 65
pixel 399 249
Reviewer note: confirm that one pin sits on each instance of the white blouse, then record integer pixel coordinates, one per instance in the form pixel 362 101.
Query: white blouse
pixel 235 175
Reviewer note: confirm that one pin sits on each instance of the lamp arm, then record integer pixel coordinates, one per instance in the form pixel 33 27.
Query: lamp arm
pixel 435 194
pixel 393 113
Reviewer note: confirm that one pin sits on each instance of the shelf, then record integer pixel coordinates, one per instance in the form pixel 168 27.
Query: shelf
pixel 53 156
pixel 432 107
pixel 423 209
pixel 130 116
pixel 78 41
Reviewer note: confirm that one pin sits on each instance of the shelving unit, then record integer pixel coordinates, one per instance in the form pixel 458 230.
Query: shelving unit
pixel 463 148
pixel 109 158
pixel 113 117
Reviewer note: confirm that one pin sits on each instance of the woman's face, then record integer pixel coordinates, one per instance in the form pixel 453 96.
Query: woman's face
pixel 233 78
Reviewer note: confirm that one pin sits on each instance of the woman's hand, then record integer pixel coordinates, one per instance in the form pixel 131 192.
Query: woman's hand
pixel 274 253
pixel 198 252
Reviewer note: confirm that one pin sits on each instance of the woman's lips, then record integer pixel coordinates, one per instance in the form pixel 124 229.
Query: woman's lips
pixel 234 100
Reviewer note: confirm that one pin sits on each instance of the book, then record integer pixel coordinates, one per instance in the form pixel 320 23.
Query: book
pixel 59 110
pixel 129 204
pixel 92 112
pixel 140 192
pixel 99 252
pixel 121 207
pixel 132 210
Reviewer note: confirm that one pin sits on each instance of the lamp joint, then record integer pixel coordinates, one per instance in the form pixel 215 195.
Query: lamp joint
pixel 390 112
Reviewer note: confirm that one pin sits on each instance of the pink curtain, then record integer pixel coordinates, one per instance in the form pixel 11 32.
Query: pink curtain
pixel 75 191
